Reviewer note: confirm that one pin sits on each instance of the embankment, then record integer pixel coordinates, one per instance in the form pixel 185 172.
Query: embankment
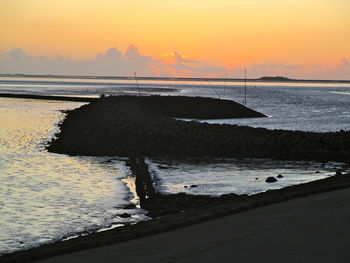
pixel 185 218
pixel 132 126
pixel 158 204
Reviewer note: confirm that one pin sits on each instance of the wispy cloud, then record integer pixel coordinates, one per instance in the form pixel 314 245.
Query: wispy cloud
pixel 275 66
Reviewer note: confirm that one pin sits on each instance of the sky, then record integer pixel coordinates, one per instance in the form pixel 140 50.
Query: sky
pixel 176 38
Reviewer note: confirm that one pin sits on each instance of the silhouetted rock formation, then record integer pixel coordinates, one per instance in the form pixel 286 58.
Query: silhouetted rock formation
pixel 271 179
pixel 158 204
pixel 126 126
pixel 277 78
pixel 143 179
pixel 338 172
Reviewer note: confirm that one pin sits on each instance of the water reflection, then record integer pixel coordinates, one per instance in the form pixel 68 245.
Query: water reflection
pixel 240 176
pixel 46 196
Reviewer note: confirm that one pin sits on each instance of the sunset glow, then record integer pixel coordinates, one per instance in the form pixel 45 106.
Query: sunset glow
pixel 228 33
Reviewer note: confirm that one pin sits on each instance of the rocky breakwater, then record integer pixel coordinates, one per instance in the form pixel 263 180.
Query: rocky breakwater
pixel 158 204
pixel 144 126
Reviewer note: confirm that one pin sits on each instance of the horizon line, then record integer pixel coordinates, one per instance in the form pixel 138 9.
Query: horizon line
pixel 263 78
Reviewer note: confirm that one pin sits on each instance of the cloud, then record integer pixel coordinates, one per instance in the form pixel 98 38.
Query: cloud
pixel 176 64
pixel 17 53
pixel 345 63
pixel 175 57
pixel 340 71
pixel 275 66
pixel 114 62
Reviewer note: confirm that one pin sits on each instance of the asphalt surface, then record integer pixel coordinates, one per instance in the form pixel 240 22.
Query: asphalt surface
pixel 309 229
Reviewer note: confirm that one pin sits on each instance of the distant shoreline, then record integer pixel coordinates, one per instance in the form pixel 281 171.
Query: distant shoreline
pixel 270 79
pixel 46 97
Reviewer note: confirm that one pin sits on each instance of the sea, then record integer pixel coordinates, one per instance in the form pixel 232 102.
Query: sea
pixel 46 197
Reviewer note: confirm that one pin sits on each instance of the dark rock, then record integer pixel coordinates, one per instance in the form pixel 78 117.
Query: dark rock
pixel 124 215
pixel 229 196
pixel 280 176
pixel 144 126
pixel 271 179
pixel 256 178
pixel 128 162
pixel 163 167
pixel 185 186
pixel 143 179
pixel 130 206
pixel 194 186
pixel 338 172
pixel 317 172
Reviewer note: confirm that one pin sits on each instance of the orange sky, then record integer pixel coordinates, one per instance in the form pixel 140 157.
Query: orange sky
pixel 230 33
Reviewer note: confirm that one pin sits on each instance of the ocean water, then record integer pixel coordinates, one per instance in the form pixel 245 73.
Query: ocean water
pixel 46 197
pixel 240 176
pixel 318 107
pixel 306 106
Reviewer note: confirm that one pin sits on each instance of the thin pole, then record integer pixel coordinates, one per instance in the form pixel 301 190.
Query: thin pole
pixel 225 84
pixel 137 83
pixel 213 88
pixel 245 86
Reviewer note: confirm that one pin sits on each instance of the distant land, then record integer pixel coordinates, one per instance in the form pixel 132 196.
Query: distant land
pixel 277 78
pixel 261 79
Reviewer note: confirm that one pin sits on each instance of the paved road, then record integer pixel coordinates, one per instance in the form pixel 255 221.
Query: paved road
pixel 309 229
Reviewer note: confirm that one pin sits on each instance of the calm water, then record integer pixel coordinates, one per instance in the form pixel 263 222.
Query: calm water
pixel 46 197
pixel 307 106
pixel 240 176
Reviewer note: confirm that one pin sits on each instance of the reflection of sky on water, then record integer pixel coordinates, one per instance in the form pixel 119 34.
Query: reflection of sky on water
pixel 240 176
pixel 46 196
pixel 309 106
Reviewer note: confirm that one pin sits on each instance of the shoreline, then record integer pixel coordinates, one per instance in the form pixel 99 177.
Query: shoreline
pixel 178 220
pixel 46 97
pixel 212 209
